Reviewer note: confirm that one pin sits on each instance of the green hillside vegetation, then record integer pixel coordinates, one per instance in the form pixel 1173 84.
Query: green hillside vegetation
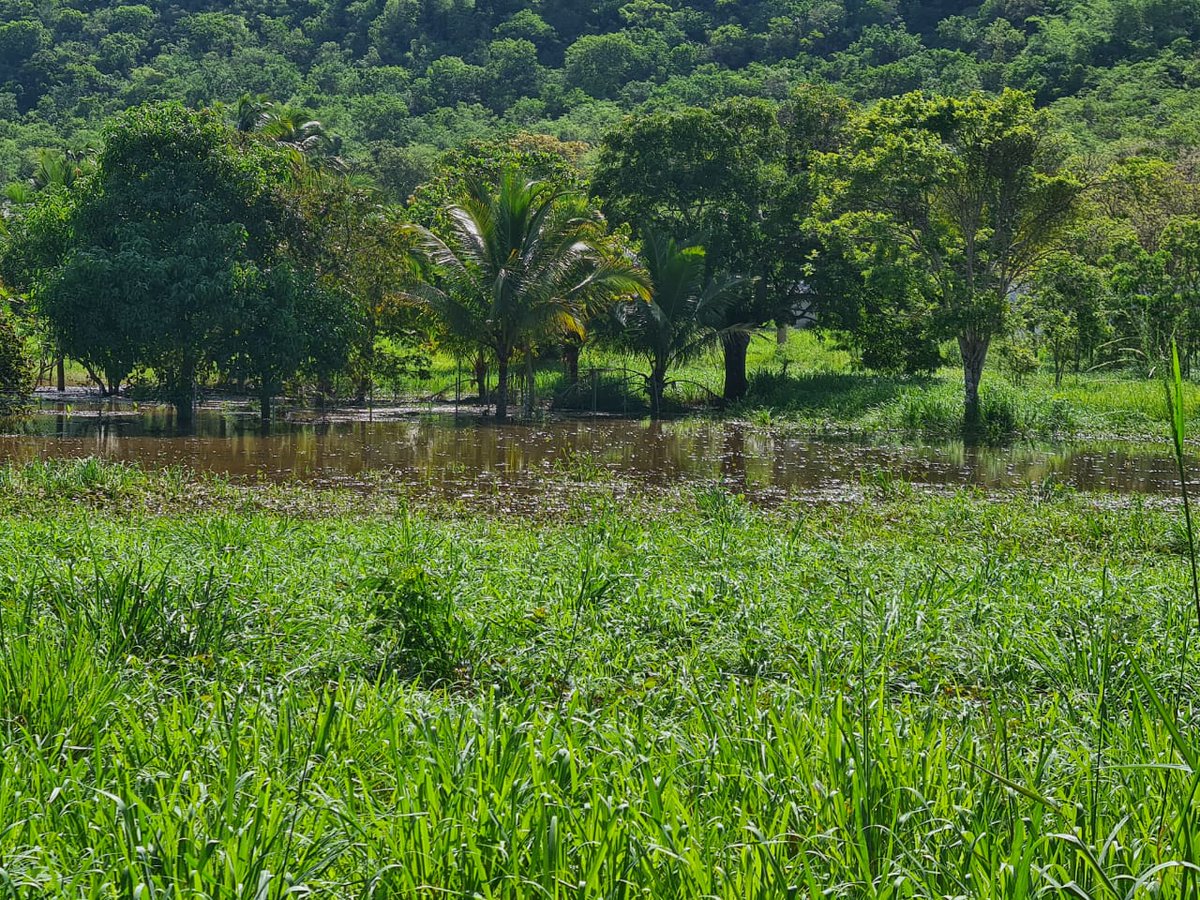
pixel 398 80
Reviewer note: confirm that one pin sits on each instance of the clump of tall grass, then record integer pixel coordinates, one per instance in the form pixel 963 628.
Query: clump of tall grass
pixel 1005 413
pixel 128 611
pixel 89 478
pixel 414 626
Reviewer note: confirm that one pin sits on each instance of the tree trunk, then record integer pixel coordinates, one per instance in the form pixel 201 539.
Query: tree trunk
pixel 974 354
pixel 481 376
pixel 97 380
pixel 61 366
pixel 530 384
pixel 781 333
pixel 265 395
pixel 657 384
pixel 735 345
pixel 571 361
pixel 185 394
pixel 324 390
pixel 112 382
pixel 501 387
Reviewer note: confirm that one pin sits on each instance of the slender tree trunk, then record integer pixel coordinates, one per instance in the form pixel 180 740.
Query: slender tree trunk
pixel 735 344
pixel 781 333
pixel 501 387
pixel 97 380
pixel 530 385
pixel 658 380
pixel 974 354
pixel 265 395
pixel 571 359
pixel 481 376
pixel 61 366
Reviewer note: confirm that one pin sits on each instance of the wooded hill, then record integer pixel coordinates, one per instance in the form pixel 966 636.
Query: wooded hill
pixel 399 80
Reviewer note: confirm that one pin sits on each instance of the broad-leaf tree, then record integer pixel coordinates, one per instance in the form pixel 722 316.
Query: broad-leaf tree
pixel 364 250
pixel 511 270
pixel 170 254
pixel 1068 306
pixel 708 177
pixel 962 198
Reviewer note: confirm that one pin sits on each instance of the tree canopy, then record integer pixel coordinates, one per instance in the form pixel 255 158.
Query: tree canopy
pixel 184 249
pixel 393 75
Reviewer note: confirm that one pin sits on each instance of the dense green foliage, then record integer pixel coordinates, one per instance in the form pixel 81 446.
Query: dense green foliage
pixel 906 696
pixel 182 250
pixel 683 317
pixel 16 370
pixel 395 78
pixel 519 267
pixel 867 166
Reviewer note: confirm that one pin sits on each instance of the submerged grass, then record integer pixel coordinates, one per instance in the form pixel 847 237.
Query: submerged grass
pixel 911 696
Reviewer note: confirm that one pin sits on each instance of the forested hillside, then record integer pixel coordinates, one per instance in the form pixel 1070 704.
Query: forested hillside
pixel 398 80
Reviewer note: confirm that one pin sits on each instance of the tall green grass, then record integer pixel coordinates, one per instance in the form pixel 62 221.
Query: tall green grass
pixel 913 696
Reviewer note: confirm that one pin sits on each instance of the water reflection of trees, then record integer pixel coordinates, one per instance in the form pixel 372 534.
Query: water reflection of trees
pixel 433 450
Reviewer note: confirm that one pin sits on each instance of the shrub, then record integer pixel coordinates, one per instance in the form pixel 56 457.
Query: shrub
pixel 16 370
pixel 1004 413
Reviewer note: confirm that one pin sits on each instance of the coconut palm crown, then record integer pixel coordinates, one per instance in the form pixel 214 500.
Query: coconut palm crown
pixel 516 266
pixel 685 315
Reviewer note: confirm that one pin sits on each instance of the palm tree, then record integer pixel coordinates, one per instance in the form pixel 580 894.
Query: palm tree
pixel 513 269
pixel 289 127
pixel 684 316
pixel 249 112
pixel 293 128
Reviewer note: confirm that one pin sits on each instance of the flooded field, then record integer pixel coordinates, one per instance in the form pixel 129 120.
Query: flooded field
pixel 456 456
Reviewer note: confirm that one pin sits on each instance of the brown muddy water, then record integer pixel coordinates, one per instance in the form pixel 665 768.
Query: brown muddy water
pixel 464 457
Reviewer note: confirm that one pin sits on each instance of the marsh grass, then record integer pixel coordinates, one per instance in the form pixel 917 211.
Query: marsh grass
pixel 910 696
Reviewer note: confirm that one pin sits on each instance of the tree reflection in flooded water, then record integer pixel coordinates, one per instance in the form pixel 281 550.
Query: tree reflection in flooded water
pixel 453 456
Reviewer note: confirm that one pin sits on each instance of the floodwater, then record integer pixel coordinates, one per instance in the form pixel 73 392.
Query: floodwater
pixel 461 456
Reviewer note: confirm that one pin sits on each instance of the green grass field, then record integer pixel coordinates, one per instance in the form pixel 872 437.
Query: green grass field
pixel 222 691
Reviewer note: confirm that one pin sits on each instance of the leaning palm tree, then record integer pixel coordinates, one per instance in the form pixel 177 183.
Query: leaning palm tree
pixel 684 317
pixel 513 269
pixel 249 112
pixel 294 128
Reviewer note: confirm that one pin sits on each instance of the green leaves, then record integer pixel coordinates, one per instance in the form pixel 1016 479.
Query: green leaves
pixel 950 203
pixel 516 265
pixel 684 315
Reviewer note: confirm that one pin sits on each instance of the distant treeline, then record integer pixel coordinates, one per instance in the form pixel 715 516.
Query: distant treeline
pixel 232 245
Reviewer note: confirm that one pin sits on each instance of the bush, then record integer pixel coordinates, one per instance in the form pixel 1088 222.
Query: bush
pixel 397 363
pixel 1004 413
pixel 16 370
pixel 1018 361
